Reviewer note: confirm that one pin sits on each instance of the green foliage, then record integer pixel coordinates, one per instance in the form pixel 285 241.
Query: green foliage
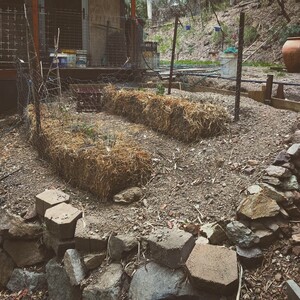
pixel 250 35
pixel 217 36
pixel 160 89
pixel 288 31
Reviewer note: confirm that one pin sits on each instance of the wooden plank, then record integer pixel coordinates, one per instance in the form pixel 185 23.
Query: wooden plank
pixel 285 104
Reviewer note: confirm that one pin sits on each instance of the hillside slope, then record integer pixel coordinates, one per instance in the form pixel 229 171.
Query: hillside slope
pixel 264 24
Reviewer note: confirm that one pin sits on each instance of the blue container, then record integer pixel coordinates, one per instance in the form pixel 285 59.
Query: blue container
pixel 217 28
pixel 187 27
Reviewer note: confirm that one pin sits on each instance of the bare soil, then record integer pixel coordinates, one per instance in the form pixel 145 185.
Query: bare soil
pixel 198 182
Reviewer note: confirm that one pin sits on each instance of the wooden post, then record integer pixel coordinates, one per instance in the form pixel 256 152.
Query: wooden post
pixel 239 68
pixel 280 91
pixel 173 54
pixel 133 35
pixel 35 25
pixel 269 88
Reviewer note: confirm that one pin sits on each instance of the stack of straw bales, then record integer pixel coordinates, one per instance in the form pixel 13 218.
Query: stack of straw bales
pixel 179 118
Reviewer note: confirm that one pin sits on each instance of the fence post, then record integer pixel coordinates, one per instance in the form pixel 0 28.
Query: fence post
pixel 269 88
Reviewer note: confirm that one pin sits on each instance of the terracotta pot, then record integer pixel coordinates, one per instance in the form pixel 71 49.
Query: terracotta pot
pixel 291 54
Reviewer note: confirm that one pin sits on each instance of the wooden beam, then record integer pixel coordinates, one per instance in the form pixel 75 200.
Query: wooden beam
pixel 133 9
pixel 35 25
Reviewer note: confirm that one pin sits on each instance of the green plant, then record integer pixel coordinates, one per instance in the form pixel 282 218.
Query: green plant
pixel 160 89
pixel 288 31
pixel 250 35
pixel 227 35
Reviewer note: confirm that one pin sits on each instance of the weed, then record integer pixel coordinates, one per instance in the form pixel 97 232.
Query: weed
pixel 160 89
pixel 250 35
pixel 289 31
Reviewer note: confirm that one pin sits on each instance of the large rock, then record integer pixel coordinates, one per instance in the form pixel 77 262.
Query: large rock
pixel 89 236
pixel 213 268
pixel 153 281
pixel 59 285
pixel 5 222
pixel 6 269
pixel 74 266
pixel 61 220
pixel 129 195
pixel 282 158
pixel 49 198
pixel 294 150
pixel 251 257
pixel 121 245
pixel 290 184
pixel 241 235
pixel 214 232
pixel 21 279
pixel 273 193
pixel 25 253
pixel 93 261
pixel 170 247
pixel 258 206
pixel 109 285
pixel 26 231
pixel 278 172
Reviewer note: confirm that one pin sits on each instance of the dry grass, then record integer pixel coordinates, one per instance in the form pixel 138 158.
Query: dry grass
pixel 97 164
pixel 179 118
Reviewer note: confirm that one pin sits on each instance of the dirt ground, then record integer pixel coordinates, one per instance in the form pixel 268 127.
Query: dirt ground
pixel 198 182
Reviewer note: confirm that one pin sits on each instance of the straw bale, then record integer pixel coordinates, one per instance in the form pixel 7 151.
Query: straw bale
pixel 179 118
pixel 93 166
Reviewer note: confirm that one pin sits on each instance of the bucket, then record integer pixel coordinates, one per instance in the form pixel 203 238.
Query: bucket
pixel 61 60
pixel 217 28
pixel 228 63
pixel 187 27
pixel 81 58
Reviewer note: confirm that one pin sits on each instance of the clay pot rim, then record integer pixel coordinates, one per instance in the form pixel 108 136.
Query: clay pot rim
pixel 293 38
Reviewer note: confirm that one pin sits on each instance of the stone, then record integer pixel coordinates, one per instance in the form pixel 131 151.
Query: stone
pixel 6 269
pixel 59 286
pixel 93 261
pixel 296 250
pixel 295 138
pixel 30 214
pixel 277 171
pixel 58 246
pixel 89 237
pixel 201 240
pixel 74 266
pixel 22 279
pixel 294 150
pixel 25 253
pixel 170 247
pixel 253 189
pixel 271 180
pixel 153 281
pixel 266 237
pixel 108 286
pixel 292 210
pixel 241 235
pixel 296 238
pixel 5 222
pixel 293 290
pixel 251 257
pixel 271 192
pixel 258 206
pixel 120 245
pixel 129 195
pixel 25 231
pixel 213 268
pixel 271 224
pixel 61 220
pixel 48 199
pixel 282 158
pixel 214 232
pixel 290 184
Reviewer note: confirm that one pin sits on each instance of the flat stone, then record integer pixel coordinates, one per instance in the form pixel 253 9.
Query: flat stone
pixel 170 247
pixel 22 279
pixel 201 240
pixel 57 245
pixel 89 237
pixel 153 281
pixel 258 206
pixel 293 290
pixel 266 237
pixel 61 220
pixel 213 268
pixel 271 192
pixel 59 285
pixel 294 150
pixel 48 199
pixel 277 171
pixel 271 180
pixel 129 195
pixel 121 245
pixel 251 257
pixel 74 266
pixel 290 184
pixel 24 253
pixel 6 269
pixel 241 235
pixel 93 261
pixel 108 286
pixel 214 232
pixel 282 158
pixel 253 189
